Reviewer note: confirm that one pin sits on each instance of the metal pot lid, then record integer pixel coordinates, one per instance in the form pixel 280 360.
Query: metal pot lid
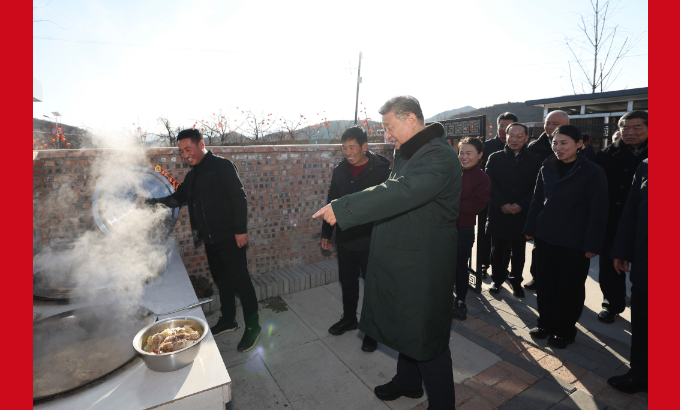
pixel 115 210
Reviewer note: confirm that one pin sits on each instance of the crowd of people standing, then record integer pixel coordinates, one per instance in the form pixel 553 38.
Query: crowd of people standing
pixel 554 192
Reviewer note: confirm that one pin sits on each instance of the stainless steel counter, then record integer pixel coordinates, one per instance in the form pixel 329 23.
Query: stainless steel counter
pixel 204 384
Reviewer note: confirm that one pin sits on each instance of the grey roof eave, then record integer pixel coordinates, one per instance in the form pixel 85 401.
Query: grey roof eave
pixel 589 97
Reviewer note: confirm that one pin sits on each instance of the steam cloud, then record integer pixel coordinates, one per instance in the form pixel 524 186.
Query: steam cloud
pixel 98 263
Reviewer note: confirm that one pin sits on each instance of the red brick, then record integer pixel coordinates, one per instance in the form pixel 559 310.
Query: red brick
pixel 510 342
pixel 463 394
pixel 591 384
pixel 488 330
pixel 570 372
pixel 492 375
pixel 511 387
pixel 490 395
pixel 477 403
pixel 517 372
pixel 550 363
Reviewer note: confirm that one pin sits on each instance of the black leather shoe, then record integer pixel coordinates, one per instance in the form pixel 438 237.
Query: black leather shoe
pixel 344 325
pixel 558 342
pixel 369 345
pixel 627 384
pixel 493 288
pixel 249 339
pixel 517 290
pixel 606 316
pixel 389 391
pixel 531 285
pixel 223 326
pixel 538 333
pixel 485 274
pixel 460 310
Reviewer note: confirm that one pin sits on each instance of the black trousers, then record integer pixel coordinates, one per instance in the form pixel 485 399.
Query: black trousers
pixel 639 320
pixel 612 285
pixel 483 240
pixel 561 288
pixel 351 266
pixel 500 248
pixel 437 374
pixel 466 238
pixel 229 269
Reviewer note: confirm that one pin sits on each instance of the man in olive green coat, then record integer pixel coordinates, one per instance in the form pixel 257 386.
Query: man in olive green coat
pixel 408 296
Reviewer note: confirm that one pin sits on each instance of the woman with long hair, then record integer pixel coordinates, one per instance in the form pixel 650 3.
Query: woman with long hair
pixel 567 221
pixel 474 197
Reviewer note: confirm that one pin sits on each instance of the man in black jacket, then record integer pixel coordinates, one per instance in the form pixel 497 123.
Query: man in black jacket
pixel 218 212
pixel 513 175
pixel 543 145
pixel 495 144
pixel 631 245
pixel 543 148
pixel 360 169
pixel 619 160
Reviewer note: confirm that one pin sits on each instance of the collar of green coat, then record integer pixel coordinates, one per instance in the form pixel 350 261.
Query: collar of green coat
pixel 432 131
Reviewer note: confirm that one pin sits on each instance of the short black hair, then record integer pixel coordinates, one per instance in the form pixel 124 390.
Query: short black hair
pixel 570 131
pixel 355 133
pixel 192 133
pixel 633 115
pixel 516 124
pixel 402 106
pixel 507 116
pixel 474 141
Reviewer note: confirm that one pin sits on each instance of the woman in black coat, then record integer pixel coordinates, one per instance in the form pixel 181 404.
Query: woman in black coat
pixel 567 220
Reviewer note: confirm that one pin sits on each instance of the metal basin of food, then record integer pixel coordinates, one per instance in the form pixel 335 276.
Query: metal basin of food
pixel 168 362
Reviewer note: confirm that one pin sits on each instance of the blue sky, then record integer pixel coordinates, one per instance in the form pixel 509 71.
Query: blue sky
pixel 185 60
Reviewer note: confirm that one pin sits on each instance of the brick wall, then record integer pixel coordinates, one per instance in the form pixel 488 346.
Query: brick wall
pixel 284 185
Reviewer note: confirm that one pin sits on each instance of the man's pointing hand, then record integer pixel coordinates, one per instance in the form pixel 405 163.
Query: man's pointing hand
pixel 327 213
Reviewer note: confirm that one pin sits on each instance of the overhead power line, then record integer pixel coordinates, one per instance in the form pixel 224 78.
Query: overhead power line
pixel 108 43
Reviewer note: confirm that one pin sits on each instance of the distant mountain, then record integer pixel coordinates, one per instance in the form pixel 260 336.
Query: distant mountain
pixel 447 114
pixel 524 113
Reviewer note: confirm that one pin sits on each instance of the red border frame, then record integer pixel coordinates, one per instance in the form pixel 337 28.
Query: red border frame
pixel 17 208
pixel 663 60
pixel 663 225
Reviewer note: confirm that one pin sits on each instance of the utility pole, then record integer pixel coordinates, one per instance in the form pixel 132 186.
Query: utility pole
pixel 356 105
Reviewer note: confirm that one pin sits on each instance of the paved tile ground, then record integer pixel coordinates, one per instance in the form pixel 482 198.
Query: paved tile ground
pixel 298 365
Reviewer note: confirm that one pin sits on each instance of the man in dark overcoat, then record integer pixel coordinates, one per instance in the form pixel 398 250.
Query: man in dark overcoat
pixel 358 170
pixel 619 160
pixel 513 173
pixel 631 245
pixel 495 144
pixel 543 145
pixel 409 284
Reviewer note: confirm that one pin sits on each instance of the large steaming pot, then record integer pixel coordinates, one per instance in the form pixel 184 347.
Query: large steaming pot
pixel 114 203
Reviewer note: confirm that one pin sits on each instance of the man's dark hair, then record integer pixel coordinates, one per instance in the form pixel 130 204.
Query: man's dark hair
pixel 402 106
pixel 355 133
pixel 516 124
pixel 570 131
pixel 634 115
pixel 474 141
pixel 507 116
pixel 192 133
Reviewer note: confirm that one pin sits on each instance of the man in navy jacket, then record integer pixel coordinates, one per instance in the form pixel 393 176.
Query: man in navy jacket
pixel 619 160
pixel 360 169
pixel 513 174
pixel 631 245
